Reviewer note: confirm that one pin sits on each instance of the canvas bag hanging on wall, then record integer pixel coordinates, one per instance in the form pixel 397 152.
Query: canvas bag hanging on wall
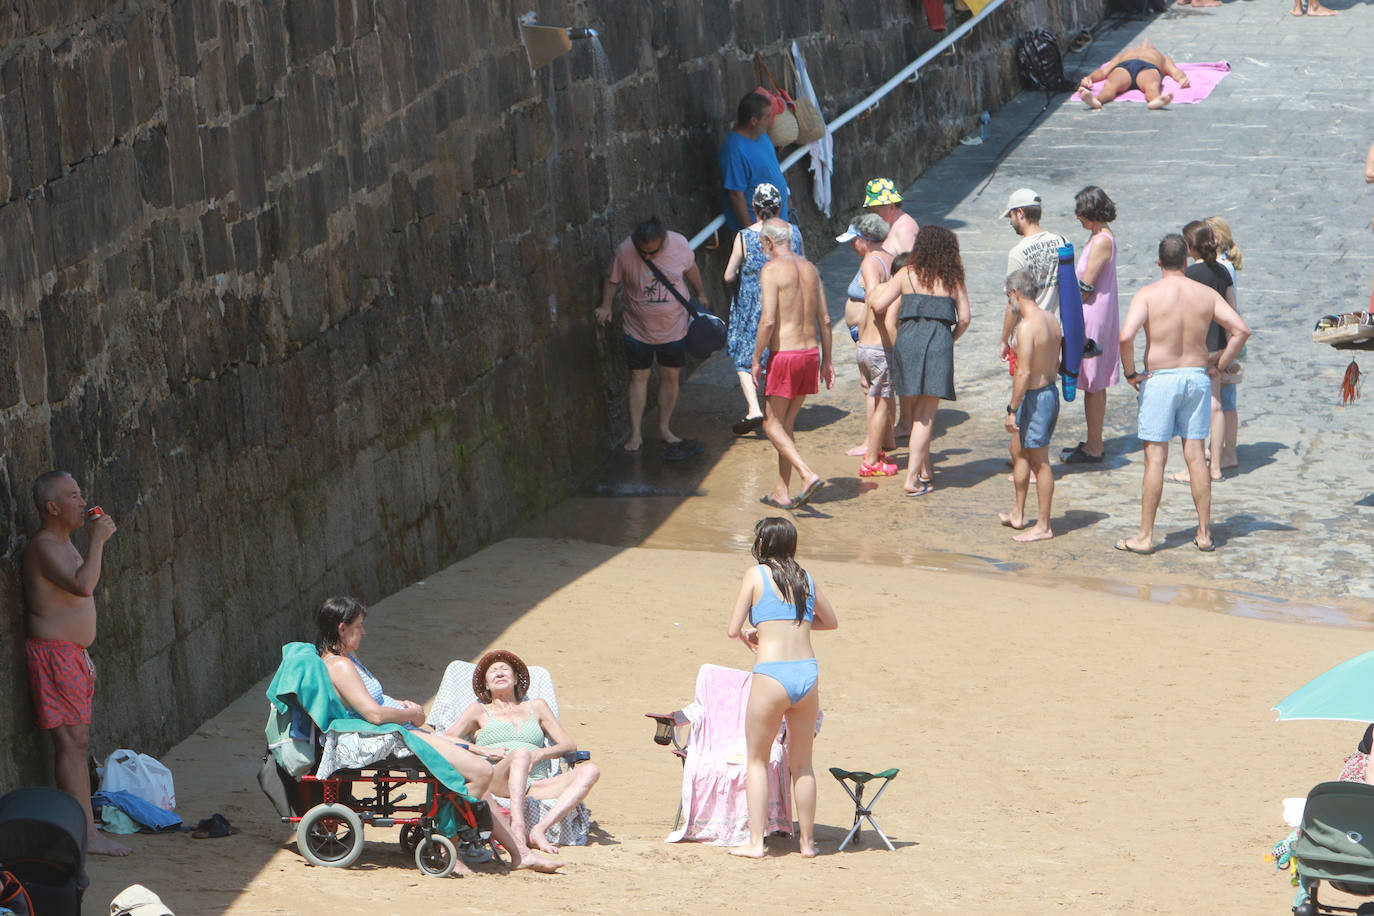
pixel 784 129
pixel 810 123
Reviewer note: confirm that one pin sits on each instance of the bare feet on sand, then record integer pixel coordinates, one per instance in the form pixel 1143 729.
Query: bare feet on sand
pixel 1038 533
pixel 1166 97
pixel 857 451
pixel 808 851
pixel 98 844
pixel 536 862
pixel 1087 96
pixel 748 851
pixel 633 443
pixel 1011 521
pixel 539 841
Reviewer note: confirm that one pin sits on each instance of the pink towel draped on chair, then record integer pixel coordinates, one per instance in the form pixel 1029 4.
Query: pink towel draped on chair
pixel 713 800
pixel 1202 79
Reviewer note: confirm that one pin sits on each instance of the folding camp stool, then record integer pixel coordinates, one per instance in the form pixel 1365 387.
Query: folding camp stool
pixel 861 811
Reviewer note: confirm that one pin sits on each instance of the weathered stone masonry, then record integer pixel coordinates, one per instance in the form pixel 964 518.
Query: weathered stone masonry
pixel 300 289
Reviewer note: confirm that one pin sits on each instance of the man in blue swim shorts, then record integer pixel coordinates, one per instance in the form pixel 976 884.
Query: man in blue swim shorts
pixel 1034 406
pixel 1175 388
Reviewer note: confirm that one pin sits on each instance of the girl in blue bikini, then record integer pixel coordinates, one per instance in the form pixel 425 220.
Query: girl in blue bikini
pixel 778 607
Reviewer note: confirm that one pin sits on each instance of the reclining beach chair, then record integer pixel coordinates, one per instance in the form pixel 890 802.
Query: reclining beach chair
pixel 329 811
pixel 1336 846
pixel 456 694
pixel 713 808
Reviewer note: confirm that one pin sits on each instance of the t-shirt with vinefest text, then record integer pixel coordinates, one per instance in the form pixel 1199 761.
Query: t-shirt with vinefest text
pixel 1040 252
pixel 653 315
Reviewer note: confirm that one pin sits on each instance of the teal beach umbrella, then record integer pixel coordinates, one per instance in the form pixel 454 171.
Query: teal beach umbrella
pixel 1346 692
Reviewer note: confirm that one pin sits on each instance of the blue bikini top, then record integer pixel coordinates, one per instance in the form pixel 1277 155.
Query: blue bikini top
pixel 771 607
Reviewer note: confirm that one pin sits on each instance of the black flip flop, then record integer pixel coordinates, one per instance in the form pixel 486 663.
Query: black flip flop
pixel 768 500
pixel 213 827
pixel 746 426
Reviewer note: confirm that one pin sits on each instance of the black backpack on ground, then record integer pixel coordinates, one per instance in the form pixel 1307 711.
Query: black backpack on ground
pixel 1040 63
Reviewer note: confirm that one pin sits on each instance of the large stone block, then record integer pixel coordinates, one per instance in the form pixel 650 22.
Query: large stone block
pixel 183 144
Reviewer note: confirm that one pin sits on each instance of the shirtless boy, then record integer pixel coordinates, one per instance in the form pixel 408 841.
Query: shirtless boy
pixel 795 329
pixel 1142 67
pixel 1034 406
pixel 1175 388
pixel 59 586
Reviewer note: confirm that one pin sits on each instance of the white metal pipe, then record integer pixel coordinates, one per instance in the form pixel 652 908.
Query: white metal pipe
pixel 868 102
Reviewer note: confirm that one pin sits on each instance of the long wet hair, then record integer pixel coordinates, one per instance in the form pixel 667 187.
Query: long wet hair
pixel 1225 243
pixel 775 546
pixel 934 258
pixel 333 613
pixel 1200 239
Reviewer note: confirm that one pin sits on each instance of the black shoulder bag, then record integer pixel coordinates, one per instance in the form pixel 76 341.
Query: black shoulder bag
pixel 706 333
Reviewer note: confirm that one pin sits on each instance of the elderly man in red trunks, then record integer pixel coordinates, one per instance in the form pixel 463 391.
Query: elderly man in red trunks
pixel 795 330
pixel 1142 67
pixel 59 585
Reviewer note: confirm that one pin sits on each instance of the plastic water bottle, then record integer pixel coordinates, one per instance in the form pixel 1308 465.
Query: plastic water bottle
pixel 987 120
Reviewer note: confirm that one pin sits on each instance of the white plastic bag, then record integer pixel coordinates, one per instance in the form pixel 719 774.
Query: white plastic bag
pixel 140 775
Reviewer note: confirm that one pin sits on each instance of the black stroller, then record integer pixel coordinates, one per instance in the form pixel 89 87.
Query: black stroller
pixel 43 845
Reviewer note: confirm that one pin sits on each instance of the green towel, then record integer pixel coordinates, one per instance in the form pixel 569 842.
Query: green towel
pixel 303 676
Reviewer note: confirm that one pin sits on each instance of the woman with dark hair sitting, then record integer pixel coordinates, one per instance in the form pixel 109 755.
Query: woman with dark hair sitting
pixel 777 608
pixel 510 729
pixel 339 626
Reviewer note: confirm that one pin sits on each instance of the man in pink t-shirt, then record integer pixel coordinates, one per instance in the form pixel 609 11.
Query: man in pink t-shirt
pixel 655 323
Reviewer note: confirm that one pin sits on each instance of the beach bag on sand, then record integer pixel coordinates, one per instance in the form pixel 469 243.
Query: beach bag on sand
pixel 141 775
pixel 1040 63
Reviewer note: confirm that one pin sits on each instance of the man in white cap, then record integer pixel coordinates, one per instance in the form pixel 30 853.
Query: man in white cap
pixel 881 197
pixel 1038 252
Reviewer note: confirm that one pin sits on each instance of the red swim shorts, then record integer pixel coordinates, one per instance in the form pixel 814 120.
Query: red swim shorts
pixel 62 681
pixel 793 373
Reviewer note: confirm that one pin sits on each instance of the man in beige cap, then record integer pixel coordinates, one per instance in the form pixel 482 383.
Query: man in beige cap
pixel 881 197
pixel 1038 252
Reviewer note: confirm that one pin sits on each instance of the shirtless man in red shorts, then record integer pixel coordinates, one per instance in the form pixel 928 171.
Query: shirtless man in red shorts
pixel 59 585
pixel 795 330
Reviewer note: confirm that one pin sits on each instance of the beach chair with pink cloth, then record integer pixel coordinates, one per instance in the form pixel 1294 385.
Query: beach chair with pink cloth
pixel 714 809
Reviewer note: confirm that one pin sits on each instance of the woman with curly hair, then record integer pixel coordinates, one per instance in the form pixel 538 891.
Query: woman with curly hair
pixel 1101 318
pixel 934 313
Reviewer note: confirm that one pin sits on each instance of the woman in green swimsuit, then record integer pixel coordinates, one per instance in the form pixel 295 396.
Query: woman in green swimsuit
pixel 510 730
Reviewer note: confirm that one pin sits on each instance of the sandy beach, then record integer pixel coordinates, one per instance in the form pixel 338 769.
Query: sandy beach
pixel 1058 750
pixel 1077 729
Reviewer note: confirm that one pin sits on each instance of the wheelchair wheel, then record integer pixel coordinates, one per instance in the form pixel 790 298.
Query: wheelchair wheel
pixel 330 835
pixel 436 856
pixel 411 834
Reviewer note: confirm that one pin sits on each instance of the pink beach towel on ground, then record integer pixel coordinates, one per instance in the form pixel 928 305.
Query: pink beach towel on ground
pixel 1202 79
pixel 714 808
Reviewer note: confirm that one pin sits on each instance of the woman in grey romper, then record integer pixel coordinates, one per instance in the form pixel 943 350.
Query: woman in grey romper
pixel 934 313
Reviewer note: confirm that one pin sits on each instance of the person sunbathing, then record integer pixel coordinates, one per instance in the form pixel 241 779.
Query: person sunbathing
pixel 1142 67
pixel 509 729
pixel 339 626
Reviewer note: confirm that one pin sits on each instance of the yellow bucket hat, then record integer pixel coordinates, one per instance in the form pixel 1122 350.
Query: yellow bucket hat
pixel 881 191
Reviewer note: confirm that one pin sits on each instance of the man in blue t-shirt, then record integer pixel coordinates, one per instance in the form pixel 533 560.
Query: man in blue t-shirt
pixel 747 160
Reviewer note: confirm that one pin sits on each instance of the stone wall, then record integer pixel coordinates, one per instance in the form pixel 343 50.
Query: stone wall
pixel 300 289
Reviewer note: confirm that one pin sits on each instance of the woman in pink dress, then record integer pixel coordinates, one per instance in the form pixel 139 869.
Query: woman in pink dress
pixel 1101 322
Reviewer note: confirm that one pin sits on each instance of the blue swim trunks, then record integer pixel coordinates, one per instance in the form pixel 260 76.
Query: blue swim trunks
pixel 1228 397
pixel 1037 416
pixel 1175 402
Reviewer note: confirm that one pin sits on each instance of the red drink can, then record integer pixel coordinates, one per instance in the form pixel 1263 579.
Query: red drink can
pixel 95 512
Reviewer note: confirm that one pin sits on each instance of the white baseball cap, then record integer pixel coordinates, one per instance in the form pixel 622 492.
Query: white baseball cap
pixel 1021 197
pixel 137 900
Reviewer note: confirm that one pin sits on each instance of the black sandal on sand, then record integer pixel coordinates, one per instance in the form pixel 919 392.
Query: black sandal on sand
pixel 768 500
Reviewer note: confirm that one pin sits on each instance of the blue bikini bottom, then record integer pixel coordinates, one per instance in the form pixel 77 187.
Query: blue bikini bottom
pixel 798 678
